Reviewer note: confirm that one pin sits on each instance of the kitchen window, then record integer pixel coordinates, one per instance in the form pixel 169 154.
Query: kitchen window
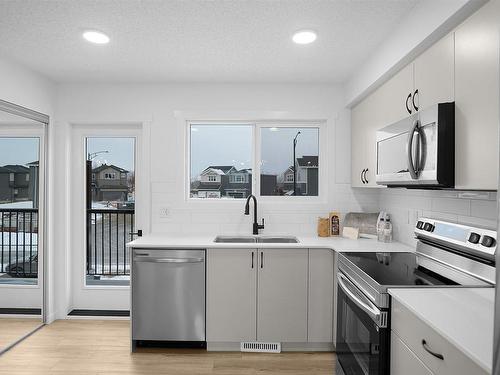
pixel 232 161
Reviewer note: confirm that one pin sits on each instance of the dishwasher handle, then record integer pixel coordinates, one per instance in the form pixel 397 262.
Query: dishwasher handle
pixel 168 260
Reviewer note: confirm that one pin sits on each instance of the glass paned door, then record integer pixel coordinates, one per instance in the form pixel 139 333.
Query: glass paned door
pixel 110 211
pixel 19 204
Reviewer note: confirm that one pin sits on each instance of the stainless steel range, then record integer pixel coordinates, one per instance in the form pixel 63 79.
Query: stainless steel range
pixel 447 255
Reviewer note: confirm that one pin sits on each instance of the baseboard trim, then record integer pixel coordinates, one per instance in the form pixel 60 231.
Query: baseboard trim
pixel 285 346
pixel 89 312
pixel 20 311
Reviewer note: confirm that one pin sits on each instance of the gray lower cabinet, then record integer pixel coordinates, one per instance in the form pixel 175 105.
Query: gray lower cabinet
pixel 320 298
pixel 404 361
pixel 282 295
pixel 269 295
pixel 231 295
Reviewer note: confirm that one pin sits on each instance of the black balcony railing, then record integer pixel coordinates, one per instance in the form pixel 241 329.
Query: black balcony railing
pixel 19 242
pixel 108 231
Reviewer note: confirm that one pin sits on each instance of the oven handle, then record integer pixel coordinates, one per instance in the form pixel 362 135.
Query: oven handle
pixel 367 306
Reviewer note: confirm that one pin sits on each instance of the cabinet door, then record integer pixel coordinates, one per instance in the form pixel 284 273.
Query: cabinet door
pixel 358 152
pixel 282 295
pixel 375 108
pixel 393 94
pixel 320 310
pixel 403 361
pixel 231 295
pixel 435 73
pixel 476 100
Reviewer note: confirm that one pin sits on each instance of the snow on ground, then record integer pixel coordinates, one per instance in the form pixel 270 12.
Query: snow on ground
pixel 23 204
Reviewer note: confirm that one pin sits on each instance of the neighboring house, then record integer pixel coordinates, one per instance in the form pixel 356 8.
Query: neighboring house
pixel 109 183
pixel 237 184
pixel 209 184
pixel 307 177
pixel 217 181
pixel 14 183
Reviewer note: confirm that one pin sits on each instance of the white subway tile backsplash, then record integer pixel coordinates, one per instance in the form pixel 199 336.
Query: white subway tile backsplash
pixel 406 206
pixel 483 209
pixel 451 205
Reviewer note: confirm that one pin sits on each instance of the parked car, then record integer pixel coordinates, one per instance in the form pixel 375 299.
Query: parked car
pixel 27 268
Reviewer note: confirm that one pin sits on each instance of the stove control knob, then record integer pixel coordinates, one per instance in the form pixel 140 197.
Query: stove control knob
pixel 474 238
pixel 420 224
pixel 488 241
pixel 428 227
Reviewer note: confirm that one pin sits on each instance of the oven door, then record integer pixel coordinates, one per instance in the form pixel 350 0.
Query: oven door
pixel 362 333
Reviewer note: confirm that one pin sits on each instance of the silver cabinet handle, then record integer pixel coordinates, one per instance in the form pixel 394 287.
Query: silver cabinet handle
pixel 428 350
pixel 169 260
pixel 413 165
pixel 368 307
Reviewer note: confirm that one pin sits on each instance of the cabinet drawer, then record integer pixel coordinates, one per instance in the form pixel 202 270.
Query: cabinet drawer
pixel 404 361
pixel 413 331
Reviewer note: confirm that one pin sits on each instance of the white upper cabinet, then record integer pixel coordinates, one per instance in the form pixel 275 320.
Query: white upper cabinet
pixel 434 74
pixel 395 97
pixel 462 67
pixel 366 118
pixel 477 99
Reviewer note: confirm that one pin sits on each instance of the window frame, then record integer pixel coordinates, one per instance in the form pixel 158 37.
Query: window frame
pixel 257 127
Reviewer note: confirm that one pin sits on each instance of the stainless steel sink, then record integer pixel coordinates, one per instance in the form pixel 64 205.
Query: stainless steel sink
pixel 261 239
pixel 278 239
pixel 235 239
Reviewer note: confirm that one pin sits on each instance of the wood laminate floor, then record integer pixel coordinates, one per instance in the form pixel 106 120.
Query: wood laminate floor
pixel 12 329
pixel 101 347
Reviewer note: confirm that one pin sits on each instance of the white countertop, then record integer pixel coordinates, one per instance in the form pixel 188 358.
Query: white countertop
pixel 338 244
pixel 464 316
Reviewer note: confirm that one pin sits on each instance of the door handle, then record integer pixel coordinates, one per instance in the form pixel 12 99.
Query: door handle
pixel 364 176
pixel 413 100
pixel 261 259
pixel 407 107
pixel 252 258
pixel 138 233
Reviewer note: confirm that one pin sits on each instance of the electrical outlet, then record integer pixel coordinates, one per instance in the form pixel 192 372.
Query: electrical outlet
pixel 163 212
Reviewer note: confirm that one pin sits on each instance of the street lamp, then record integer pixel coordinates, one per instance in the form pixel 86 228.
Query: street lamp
pixel 295 165
pixel 92 155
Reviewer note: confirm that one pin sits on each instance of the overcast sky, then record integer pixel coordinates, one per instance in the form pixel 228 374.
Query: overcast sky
pixel 121 151
pixel 232 145
pixel 18 150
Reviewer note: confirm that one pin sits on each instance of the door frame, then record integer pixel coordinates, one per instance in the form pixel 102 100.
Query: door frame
pixel 39 130
pixel 101 297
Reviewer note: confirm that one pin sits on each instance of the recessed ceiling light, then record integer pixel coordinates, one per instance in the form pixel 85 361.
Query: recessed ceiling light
pixel 97 37
pixel 304 36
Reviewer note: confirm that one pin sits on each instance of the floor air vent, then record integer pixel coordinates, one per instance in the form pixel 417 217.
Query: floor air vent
pixel 261 347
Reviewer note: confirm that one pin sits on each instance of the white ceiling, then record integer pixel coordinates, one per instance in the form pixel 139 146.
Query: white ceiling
pixel 196 41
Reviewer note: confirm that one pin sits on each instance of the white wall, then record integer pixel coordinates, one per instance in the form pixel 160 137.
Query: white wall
pixel 24 87
pixel 159 105
pixel 406 206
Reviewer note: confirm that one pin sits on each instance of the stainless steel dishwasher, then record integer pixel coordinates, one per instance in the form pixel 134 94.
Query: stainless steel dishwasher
pixel 168 297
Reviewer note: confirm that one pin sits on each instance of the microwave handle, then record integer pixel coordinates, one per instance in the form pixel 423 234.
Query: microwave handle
pixel 412 168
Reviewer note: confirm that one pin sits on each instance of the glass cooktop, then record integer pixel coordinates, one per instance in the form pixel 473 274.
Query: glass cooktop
pixel 395 269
